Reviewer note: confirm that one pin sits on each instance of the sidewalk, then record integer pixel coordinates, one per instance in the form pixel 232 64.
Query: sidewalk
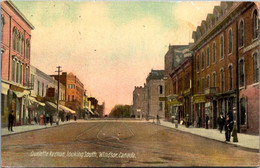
pixel 26 128
pixel 244 140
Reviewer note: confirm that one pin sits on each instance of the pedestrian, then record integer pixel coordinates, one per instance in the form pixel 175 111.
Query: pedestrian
pixel 207 121
pixel 158 119
pixel 187 120
pixel 221 122
pixel 228 127
pixel 173 118
pixel 75 118
pixel 44 119
pixel 11 121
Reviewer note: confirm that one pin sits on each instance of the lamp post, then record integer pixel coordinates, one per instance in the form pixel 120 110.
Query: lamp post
pixel 58 89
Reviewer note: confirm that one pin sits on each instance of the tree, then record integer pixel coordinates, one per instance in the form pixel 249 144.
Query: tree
pixel 120 111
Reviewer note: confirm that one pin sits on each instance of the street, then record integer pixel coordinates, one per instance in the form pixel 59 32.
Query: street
pixel 121 143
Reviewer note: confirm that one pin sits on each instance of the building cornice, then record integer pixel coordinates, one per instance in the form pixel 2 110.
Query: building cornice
pixel 10 3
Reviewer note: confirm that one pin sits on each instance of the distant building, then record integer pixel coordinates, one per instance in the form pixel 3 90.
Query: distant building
pixel 138 102
pixel 94 104
pixel 15 63
pixel 155 94
pixel 174 56
pixel 74 92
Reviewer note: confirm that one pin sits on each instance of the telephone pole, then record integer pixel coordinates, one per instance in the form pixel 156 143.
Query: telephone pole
pixel 59 67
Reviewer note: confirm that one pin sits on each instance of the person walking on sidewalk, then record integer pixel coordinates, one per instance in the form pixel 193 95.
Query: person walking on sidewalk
pixel 221 122
pixel 51 119
pixel 158 119
pixel 11 121
pixel 207 121
pixel 228 127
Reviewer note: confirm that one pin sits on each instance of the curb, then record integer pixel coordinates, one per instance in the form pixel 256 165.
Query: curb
pixel 235 145
pixel 15 133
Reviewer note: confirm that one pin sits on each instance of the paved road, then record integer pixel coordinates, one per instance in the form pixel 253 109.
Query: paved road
pixel 119 144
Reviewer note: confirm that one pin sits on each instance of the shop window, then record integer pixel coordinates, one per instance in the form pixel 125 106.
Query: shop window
pixel 160 105
pixel 256 67
pixel 243 111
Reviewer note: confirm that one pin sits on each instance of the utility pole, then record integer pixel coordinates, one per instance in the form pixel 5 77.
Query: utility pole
pixel 58 87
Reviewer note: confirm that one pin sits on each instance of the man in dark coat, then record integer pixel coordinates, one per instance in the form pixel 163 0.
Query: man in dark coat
pixel 221 122
pixel 11 121
pixel 228 127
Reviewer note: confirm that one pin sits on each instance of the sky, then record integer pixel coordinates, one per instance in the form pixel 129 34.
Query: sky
pixel 111 46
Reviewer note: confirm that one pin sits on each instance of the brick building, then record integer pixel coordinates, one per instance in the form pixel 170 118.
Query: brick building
pixel 226 65
pixel 138 102
pixel 154 90
pixel 15 64
pixel 74 92
pixel 173 57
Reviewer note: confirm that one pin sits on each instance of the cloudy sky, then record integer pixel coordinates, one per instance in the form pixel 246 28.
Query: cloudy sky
pixel 110 45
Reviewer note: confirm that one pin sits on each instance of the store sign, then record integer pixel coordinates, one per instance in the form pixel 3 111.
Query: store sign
pixel 162 98
pixel 199 98
pixel 16 88
pixel 255 44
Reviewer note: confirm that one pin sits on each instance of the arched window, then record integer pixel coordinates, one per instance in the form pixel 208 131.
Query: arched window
pixel 208 56
pixel 14 38
pixel 18 42
pixel 256 67
pixel 222 47
pixel 241 72
pixel 222 80
pixel 214 52
pixel 160 88
pixel 230 73
pixel 202 60
pixel 241 33
pixel 214 79
pixel 198 63
pixel 198 86
pixel 27 48
pixel 208 81
pixel 255 24
pixel 22 42
pixel 230 41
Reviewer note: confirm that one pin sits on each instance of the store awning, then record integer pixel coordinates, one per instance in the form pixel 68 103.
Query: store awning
pixel 53 105
pixel 4 88
pixel 86 109
pixel 96 113
pixel 66 109
pixel 32 99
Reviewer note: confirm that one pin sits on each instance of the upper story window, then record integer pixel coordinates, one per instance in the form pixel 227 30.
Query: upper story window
pixel 230 73
pixel 221 47
pixel 18 41
pixel 214 52
pixel 38 88
pixel 22 41
pixel 230 41
pixel 202 60
pixel 198 63
pixel 27 48
pixel 222 80
pixel 160 89
pixel 208 81
pixel 241 72
pixel 255 24
pixel 241 33
pixel 14 38
pixel 214 79
pixel 256 67
pixel 208 56
pixel 42 89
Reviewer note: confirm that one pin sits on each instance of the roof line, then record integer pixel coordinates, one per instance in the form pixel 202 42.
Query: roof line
pixel 20 14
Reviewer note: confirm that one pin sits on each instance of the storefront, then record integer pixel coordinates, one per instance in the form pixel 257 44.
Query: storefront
pixel 175 107
pixel 198 102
